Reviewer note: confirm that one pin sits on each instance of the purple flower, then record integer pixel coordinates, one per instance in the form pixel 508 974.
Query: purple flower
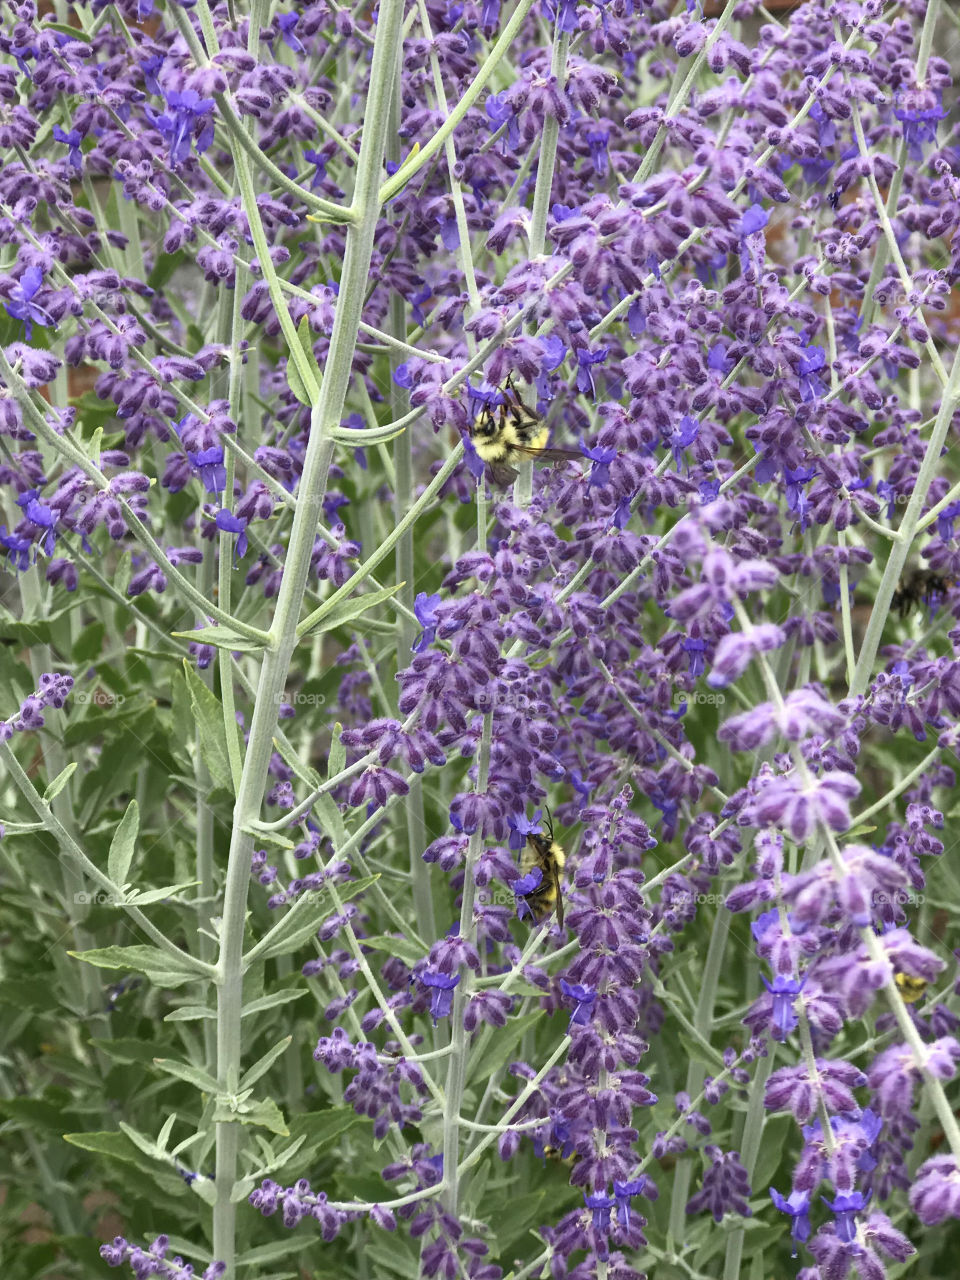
pixel 442 986
pixel 597 140
pixel 287 22
pixel 18 549
pixel 425 607
pixel 600 470
pixel 71 139
pixel 799 808
pixel 22 305
pixel 808 366
pixel 679 438
pixel 845 1208
pixel 784 992
pixel 797 1206
pixel 919 111
pixel 935 1194
pixel 599 1206
pixel 584 997
pixel 184 122
pixel 209 465
pixel 227 522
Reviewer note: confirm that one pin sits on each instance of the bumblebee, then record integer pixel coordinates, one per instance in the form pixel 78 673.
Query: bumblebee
pixel 555 1153
pixel 543 854
pixel 508 432
pixel 919 587
pixel 910 988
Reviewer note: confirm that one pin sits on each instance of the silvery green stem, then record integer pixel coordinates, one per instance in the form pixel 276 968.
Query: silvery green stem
pixel 702 1021
pixel 457 1066
pixel 749 1151
pixel 325 415
pixel 547 161
pixel 901 548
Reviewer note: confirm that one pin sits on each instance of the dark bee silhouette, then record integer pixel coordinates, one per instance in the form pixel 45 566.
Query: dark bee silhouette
pixel 510 431
pixel 921 586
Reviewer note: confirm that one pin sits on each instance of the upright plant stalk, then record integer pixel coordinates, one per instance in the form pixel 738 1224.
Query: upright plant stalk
pixel 905 534
pixel 325 416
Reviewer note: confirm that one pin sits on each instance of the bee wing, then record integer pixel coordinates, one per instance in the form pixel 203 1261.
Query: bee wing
pixel 501 474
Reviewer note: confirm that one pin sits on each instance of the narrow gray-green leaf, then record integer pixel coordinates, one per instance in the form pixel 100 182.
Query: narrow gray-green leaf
pixel 190 1013
pixel 59 782
pixel 265 1113
pixel 222 638
pixel 211 733
pixel 270 1002
pixel 158 895
pixel 123 844
pixel 338 753
pixel 187 1072
pixel 352 607
pixel 263 1065
pixel 294 381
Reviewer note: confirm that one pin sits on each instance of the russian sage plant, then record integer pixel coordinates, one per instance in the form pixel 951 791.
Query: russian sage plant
pixel 409 871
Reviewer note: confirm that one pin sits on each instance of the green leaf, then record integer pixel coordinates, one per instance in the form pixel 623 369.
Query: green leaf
pixel 517 1216
pixel 89 643
pixel 269 1252
pixel 94 446
pixel 124 572
pixel 337 759
pixel 211 732
pixel 325 808
pixel 156 1150
pixel 110 1143
pixel 403 949
pixel 696 1052
pixel 222 638
pixel 263 1065
pixel 66 30
pixel 265 1114
pixel 506 1043
pixel 59 782
pixel 270 1002
pixel 34 1112
pixel 160 968
pixel 158 895
pixel 351 608
pixel 270 837
pixel 320 1128
pixel 294 381
pixel 188 1073
pixel 165 266
pixel 126 1050
pixel 190 1013
pixel 123 844
pixel 305 924
pixel 117 1146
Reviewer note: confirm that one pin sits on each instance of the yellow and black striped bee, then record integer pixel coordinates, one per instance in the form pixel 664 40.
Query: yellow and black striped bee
pixel 918 587
pixel 508 432
pixel 910 988
pixel 555 1153
pixel 544 854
